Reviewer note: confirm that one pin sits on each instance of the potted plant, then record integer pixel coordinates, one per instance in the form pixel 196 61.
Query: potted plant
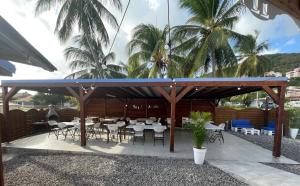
pixel 294 123
pixel 197 125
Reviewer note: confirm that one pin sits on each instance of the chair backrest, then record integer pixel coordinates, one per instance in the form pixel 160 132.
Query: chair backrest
pixel 153 118
pixel 159 129
pixel 132 122
pixel 138 128
pixel 61 125
pixel 77 126
pixel 121 123
pixel 89 120
pixel 97 125
pixel 140 123
pixel 112 127
pixel 149 121
pixel 76 119
pixel 222 126
pixel 52 122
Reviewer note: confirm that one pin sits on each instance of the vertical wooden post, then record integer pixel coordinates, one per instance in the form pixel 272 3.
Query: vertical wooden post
pixel 266 113
pixel 82 118
pixel 5 113
pixel 279 121
pixel 173 119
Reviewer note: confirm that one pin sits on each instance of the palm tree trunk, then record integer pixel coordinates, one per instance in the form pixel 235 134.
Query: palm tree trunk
pixel 213 64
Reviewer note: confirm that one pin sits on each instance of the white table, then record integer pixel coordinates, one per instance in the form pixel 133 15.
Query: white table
pixel 72 123
pixel 147 127
pixel 210 126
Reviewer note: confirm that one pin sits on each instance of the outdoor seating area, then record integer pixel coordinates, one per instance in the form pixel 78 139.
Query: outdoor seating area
pixel 112 128
pixel 245 127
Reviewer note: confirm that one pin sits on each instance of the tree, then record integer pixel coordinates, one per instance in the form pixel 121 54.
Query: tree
pixel 87 15
pixel 208 34
pixel 148 45
pixel 89 61
pixel 253 62
pixel 134 69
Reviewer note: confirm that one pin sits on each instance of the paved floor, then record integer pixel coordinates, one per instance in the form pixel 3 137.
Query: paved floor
pixel 234 148
pixel 236 156
pixel 254 173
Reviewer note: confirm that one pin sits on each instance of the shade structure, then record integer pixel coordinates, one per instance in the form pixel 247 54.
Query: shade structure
pixel 6 68
pixel 13 47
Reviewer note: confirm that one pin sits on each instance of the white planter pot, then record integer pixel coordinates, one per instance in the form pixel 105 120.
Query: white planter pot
pixel 294 133
pixel 199 155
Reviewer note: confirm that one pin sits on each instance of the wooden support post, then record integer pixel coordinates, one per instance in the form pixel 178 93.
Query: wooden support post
pixel 279 121
pixel 266 112
pixel 173 119
pixel 82 118
pixel 5 113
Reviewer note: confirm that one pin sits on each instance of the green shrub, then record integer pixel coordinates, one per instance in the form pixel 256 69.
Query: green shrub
pixel 197 124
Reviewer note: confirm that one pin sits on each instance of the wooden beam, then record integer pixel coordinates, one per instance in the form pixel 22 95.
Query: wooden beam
pixel 143 91
pixel 183 93
pixel 279 121
pixel 82 118
pixel 173 117
pixel 272 94
pixel 137 91
pixel 11 93
pixel 196 91
pixel 89 93
pixel 73 93
pixel 164 93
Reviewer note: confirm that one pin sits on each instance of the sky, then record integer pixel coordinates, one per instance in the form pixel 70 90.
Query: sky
pixel 282 33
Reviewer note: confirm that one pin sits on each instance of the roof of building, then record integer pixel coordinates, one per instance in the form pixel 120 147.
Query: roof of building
pixel 13 47
pixel 201 88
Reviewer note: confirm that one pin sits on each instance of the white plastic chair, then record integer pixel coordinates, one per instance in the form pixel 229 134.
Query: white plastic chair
pixel 169 122
pixel 113 131
pixel 149 122
pixel 132 122
pixel 159 134
pixel 138 133
pixel 63 129
pixel 53 127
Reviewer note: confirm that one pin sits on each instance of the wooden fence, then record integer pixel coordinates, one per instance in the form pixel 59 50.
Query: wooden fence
pixel 20 122
pixel 256 116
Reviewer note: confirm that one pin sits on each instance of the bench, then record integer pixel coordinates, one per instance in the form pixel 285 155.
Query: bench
pixel 238 124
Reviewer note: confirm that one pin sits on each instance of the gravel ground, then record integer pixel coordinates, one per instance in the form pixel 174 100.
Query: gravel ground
pixel 290 148
pixel 286 167
pixel 71 169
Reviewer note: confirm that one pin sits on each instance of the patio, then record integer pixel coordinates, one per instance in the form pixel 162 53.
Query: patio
pixel 234 148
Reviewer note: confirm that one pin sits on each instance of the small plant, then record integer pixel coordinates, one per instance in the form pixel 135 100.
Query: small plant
pixel 197 124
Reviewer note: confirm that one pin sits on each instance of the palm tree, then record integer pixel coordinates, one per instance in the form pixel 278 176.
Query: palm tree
pixel 208 33
pixel 253 63
pixel 134 69
pixel 148 47
pixel 89 61
pixel 88 15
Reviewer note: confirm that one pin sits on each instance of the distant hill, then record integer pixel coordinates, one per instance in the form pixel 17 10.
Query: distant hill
pixel 284 62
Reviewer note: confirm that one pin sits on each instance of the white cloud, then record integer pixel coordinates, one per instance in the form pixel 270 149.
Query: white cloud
pixel 153 4
pixel 271 51
pixel 290 42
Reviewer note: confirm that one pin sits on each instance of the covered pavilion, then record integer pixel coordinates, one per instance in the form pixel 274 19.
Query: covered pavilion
pixel 172 90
